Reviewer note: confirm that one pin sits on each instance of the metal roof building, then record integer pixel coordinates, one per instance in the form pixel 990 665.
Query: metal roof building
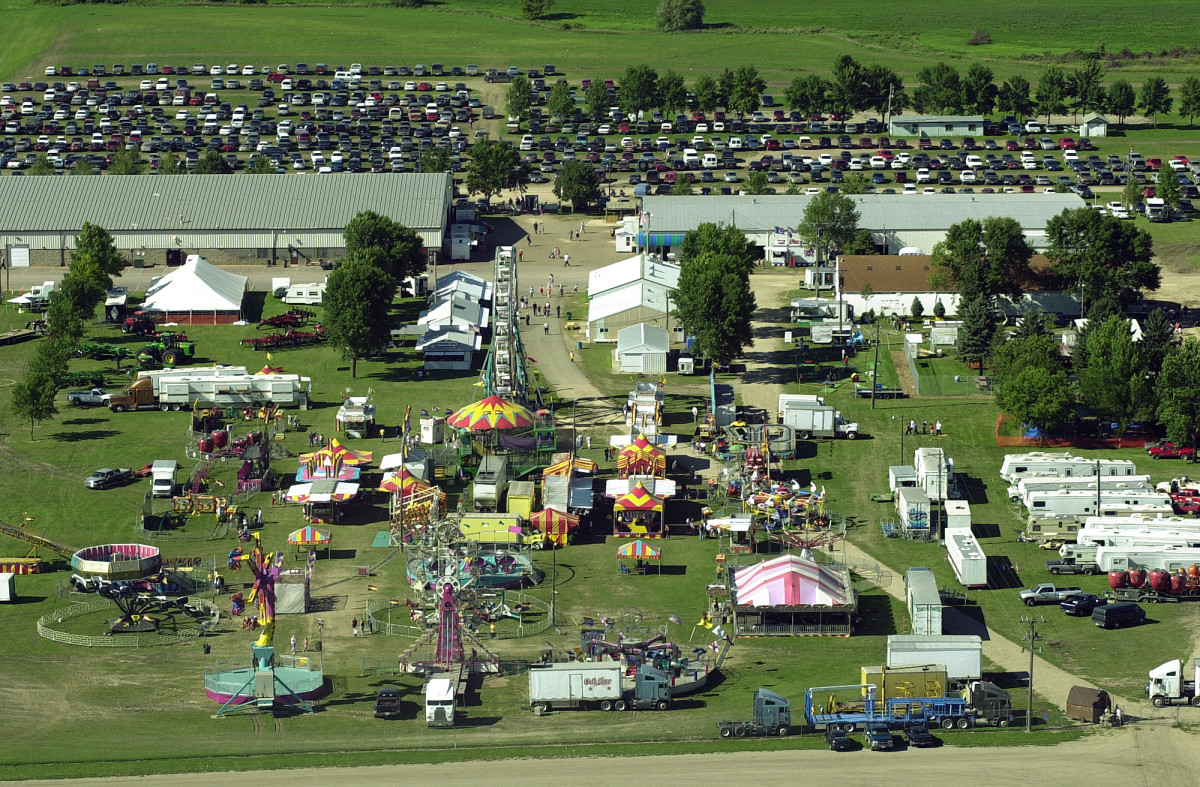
pixel 897 220
pixel 227 218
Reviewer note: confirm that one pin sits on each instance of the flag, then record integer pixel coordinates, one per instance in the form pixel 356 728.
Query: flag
pixel 779 230
pixel 270 357
pixel 372 588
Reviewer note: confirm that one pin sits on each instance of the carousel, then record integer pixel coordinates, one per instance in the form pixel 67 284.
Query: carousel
pixel 505 427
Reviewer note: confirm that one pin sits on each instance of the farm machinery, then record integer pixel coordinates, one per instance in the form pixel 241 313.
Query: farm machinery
pixel 289 338
pixel 294 318
pixel 167 349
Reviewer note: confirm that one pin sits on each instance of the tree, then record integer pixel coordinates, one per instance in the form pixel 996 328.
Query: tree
pixel 855 183
pixel 1051 93
pixel 494 167
pixel 260 165
pixel 708 93
pixel 1101 254
pixel 986 258
pixel 1131 195
pixel 396 249
pixel 96 244
pixel 1013 97
pixel 1167 188
pixel 213 163
pixel 676 15
pixel 1178 392
pixel 725 86
pixel 1155 98
pixel 639 90
pixel 1018 353
pixel 863 243
pixel 76 298
pixel 1088 81
pixel 714 304
pixel 535 9
pixel 978 327
pixel 748 86
pixel 979 89
pixel 682 187
pixel 357 300
pixel 1189 98
pixel 1038 397
pixel 830 221
pixel 595 98
pixel 83 167
pixel 1121 100
pixel 757 183
pixel 41 166
pixel 1158 337
pixel 1099 311
pixel 807 94
pixel 917 309
pixel 1113 381
pixel 33 396
pixel 435 160
pixel 561 103
pixel 715 240
pixel 577 183
pixel 941 89
pixel 1034 323
pixel 882 88
pixel 846 91
pixel 129 162
pixel 979 37
pixel 672 92
pixel 519 97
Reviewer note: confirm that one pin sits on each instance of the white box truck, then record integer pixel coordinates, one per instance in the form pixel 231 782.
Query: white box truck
pixel 815 420
pixel 439 702
pixel 162 477
pixel 490 479
pixel 960 654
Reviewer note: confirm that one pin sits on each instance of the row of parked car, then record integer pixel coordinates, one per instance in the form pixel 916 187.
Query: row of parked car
pixel 285 69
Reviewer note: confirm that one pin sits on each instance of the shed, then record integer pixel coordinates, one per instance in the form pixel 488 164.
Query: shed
pixel 642 348
pixel 935 125
pixel 1093 125
pixel 1087 704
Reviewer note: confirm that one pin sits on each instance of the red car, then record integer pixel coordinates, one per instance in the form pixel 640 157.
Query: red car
pixel 1171 451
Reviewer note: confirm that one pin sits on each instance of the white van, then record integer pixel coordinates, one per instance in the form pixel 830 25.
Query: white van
pixel 910 251
pixel 691 157
pixel 162 475
pixel 307 294
pixel 710 161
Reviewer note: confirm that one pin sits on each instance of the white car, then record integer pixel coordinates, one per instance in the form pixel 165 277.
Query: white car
pixel 1118 210
pixel 923 175
pixel 247 71
pixel 967 176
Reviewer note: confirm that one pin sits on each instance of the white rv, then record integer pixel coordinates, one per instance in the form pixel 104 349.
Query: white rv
pixel 1062 465
pixel 306 294
pixel 1019 490
pixel 1150 558
pixel 1111 536
pixel 1087 502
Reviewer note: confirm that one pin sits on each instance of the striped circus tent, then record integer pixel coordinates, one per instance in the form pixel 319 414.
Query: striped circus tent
pixel 569 465
pixel 555 524
pixel 638 550
pixel 309 536
pixel 641 458
pixel 638 499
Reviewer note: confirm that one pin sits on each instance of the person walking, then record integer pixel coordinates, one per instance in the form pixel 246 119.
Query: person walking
pixel 354 625
pixel 572 355
pixel 581 227
pixel 566 260
pixel 558 311
pixel 529 239
pixel 306 644
pixel 526 319
pixel 293 644
pixel 570 235
pixel 546 328
pixel 521 255
pixel 562 289
pixel 535 228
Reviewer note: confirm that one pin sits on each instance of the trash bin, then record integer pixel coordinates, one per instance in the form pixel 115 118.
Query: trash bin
pixel 568 316
pixel 958 378
pixel 578 345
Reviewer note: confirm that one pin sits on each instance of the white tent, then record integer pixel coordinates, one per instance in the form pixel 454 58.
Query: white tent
pixel 197 292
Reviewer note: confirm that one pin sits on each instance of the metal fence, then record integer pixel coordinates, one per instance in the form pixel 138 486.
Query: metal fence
pixel 80 608
pixel 382 617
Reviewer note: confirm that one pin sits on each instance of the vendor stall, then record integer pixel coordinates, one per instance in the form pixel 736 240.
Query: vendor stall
pixel 356 417
pixel 412 503
pixel 638 514
pixel 641 554
pixel 641 458
pixel 570 465
pixel 556 525
pixel 322 500
pixel 310 538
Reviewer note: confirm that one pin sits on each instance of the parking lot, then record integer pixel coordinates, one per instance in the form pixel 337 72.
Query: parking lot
pixel 340 118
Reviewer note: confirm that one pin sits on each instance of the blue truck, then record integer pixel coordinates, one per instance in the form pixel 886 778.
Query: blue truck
pixel 854 706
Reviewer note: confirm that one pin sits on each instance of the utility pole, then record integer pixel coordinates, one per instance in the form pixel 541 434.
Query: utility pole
pixel 1032 638
pixel 875 371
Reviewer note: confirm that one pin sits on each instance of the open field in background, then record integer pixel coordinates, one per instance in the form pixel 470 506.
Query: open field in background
pixel 782 41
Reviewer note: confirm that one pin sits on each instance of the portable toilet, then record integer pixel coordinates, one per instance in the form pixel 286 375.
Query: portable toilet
pixel 8 587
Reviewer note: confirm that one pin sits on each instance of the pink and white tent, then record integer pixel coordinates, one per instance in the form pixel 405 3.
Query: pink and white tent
pixel 790 581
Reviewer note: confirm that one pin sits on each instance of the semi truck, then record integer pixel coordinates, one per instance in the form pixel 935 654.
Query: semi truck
pixel 1169 684
pixel 772 716
pixel 814 420
pixel 208 390
pixel 439 702
pixel 591 685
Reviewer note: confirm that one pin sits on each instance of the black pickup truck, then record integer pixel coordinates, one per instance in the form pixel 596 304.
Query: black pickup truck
pixel 1080 604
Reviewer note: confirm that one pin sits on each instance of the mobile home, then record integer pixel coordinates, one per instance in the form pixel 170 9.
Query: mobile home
pixel 967 558
pixel 934 471
pixel 1060 465
pixel 1084 502
pixel 1115 536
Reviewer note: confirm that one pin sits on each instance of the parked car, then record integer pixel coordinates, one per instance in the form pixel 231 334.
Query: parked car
pixel 917 734
pixel 838 739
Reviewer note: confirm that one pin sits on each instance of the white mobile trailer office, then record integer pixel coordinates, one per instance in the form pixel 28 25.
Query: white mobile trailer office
pixel 307 294
pixel 960 654
pixel 924 601
pixel 1060 465
pixel 900 477
pixel 958 514
pixel 1084 502
pixel 934 471
pixel 1150 558
pixel 1018 490
pixel 967 558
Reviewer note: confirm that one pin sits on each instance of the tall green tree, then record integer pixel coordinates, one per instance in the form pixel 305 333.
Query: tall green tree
pixel 978 329
pixel 1131 194
pixel 435 160
pixel 129 162
pixel 261 165
pixel 855 183
pixel 721 241
pixel 1121 100
pixel 1113 381
pixel 756 183
pixel 1178 392
pixel 1020 352
pixel 1039 397
pixel 83 167
pixel 863 244
pixel 1088 80
pixel 989 257
pixel 577 184
pixel 917 309
pixel 883 88
pixel 357 300
pixel 682 187
pixel 672 92
pixel 97 244
pixel 494 167
pixel 1189 98
pixel 830 221
pixel 1101 255
pixel 1097 312
pixel 807 94
pixel 518 97
pixel 846 93
pixel 396 249
pixel 595 98
pixel 748 86
pixel 1051 95
pixel 941 89
pixel 1155 98
pixel 535 9
pixel 1013 96
pixel 1167 188
pixel 1158 336
pixel 560 104
pixel 41 166
pixel 639 90
pixel 726 87
pixel 33 395
pixel 213 163
pixel 714 303
pixel 708 93
pixel 979 89
pixel 676 15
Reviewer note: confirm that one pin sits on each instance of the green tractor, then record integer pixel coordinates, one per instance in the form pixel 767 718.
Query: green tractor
pixel 170 349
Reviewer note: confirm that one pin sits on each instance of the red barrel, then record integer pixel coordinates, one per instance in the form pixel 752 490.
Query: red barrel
pixel 1178 584
pixel 220 438
pixel 1160 580
pixel 1137 577
pixel 206 445
pixel 254 437
pixel 1118 579
pixel 1193 572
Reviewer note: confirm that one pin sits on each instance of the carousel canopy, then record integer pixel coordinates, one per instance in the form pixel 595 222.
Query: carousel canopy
pixel 309 536
pixel 322 492
pixel 638 499
pixel 491 413
pixel 641 458
pixel 403 482
pixel 570 465
pixel 789 581
pixel 638 550
pixel 335 455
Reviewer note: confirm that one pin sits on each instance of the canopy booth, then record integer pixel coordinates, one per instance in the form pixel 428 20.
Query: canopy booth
pixel 570 465
pixel 556 525
pixel 638 514
pixel 641 552
pixel 334 456
pixel 641 458
pixel 310 537
pixel 322 500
